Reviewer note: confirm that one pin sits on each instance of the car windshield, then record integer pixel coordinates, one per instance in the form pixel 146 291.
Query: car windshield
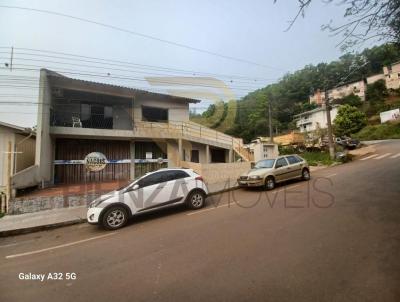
pixel 266 163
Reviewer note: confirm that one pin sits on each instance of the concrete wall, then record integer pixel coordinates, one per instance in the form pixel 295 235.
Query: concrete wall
pixel 7 137
pixel 177 110
pixel 374 78
pixel 357 88
pixel 219 176
pixel 25 152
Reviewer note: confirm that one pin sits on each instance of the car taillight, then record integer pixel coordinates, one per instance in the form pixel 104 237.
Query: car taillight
pixel 199 178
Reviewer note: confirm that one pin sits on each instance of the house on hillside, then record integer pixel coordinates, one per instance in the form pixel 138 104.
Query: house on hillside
pixel 95 132
pixel 357 88
pixel 17 152
pixel 314 119
pixel 392 76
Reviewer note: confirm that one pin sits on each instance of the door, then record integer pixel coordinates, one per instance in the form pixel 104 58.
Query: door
pixel 282 169
pixel 295 166
pixel 194 156
pixel 151 192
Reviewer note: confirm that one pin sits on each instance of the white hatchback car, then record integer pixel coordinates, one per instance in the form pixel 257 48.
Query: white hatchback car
pixel 154 190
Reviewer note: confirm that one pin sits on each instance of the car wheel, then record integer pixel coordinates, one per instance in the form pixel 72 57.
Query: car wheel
pixel 305 174
pixel 114 218
pixel 196 200
pixel 269 183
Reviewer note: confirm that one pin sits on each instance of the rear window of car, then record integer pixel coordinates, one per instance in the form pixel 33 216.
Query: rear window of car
pixel 177 174
pixel 293 159
pixel 299 158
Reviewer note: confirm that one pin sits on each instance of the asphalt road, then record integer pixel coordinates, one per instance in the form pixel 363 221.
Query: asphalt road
pixel 335 238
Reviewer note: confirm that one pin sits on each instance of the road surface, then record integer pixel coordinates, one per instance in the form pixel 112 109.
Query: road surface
pixel 335 238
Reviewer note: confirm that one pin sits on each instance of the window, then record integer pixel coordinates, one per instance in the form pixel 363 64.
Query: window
pixel 281 162
pixel 265 151
pixel 292 159
pixel 173 175
pixel 152 179
pixel 299 158
pixel 154 114
pixel 266 163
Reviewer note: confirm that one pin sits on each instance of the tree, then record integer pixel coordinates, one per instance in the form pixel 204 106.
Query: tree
pixel 352 100
pixel 367 19
pixel 376 92
pixel 349 120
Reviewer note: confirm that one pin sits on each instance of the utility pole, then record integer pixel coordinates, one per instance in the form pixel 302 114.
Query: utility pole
pixel 271 135
pixel 329 125
pixel 11 58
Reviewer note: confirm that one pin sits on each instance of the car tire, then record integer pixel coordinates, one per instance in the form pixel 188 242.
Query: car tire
pixel 269 183
pixel 114 218
pixel 305 174
pixel 196 200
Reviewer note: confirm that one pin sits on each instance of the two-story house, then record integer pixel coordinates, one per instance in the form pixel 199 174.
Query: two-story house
pixel 314 119
pixel 92 132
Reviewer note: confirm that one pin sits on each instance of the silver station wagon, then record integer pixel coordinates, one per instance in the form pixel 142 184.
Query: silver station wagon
pixel 267 172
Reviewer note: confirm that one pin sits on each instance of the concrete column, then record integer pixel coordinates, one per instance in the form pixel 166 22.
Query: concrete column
pixel 132 152
pixel 180 151
pixel 208 157
pixel 230 156
pixel 43 154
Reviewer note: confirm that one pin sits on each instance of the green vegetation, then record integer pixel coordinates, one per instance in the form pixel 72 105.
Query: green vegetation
pixel 349 120
pixel 382 131
pixel 290 95
pixel 317 158
pixel 352 100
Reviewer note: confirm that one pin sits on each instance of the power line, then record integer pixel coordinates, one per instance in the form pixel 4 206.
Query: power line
pixel 139 34
pixel 121 77
pixel 67 56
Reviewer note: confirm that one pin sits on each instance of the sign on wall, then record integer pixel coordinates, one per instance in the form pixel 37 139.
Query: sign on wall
pixel 95 161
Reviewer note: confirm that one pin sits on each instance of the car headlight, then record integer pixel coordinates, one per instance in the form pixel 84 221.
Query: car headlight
pixel 98 201
pixel 255 177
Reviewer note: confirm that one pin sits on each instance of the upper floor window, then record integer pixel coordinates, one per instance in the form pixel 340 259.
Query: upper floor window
pixel 154 114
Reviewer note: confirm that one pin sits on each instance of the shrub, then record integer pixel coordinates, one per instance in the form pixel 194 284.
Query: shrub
pixel 349 120
pixel 383 131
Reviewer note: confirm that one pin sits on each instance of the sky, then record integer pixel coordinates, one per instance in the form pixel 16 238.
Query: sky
pixel 247 30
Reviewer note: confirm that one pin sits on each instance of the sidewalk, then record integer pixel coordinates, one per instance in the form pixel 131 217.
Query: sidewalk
pixel 38 221
pixel 49 219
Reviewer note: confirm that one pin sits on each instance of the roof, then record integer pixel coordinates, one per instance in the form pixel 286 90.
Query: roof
pixel 15 127
pixel 128 91
pixel 314 111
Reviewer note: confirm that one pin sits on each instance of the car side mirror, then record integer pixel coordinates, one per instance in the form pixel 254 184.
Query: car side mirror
pixel 135 187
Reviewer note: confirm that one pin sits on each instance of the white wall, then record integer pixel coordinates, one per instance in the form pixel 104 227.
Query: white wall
pixel 317 119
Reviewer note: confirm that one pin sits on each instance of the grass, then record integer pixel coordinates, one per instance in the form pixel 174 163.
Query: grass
pixel 381 131
pixel 1 214
pixel 317 158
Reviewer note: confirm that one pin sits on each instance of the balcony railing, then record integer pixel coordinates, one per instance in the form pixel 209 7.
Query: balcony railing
pixel 95 121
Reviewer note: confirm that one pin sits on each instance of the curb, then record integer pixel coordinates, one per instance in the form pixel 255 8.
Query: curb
pixel 41 227
pixel 55 225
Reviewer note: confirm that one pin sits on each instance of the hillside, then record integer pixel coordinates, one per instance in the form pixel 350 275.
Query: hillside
pixel 290 95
